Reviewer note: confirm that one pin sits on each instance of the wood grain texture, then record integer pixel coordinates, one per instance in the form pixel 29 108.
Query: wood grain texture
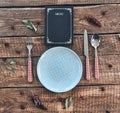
pixel 109 72
pixel 11 20
pixel 16 47
pixel 86 99
pixel 52 2
pixel 92 96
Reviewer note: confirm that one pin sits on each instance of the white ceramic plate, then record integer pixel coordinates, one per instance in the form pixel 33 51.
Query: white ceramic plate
pixel 59 69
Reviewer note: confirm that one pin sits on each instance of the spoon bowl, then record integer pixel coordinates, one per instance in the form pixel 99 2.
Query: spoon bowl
pixel 95 40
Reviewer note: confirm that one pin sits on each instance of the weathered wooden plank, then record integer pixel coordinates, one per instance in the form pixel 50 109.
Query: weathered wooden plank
pixel 109 71
pixel 104 13
pixel 86 99
pixel 11 20
pixel 16 47
pixel 108 52
pixel 52 2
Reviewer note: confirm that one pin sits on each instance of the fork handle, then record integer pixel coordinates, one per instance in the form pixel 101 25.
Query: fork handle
pixel 30 77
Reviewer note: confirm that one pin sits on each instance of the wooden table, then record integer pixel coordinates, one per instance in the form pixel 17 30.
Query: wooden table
pixel 102 96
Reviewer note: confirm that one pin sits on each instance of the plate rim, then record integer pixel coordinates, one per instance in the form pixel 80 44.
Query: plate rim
pixel 81 67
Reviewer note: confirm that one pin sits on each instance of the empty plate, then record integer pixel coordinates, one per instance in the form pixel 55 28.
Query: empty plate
pixel 59 69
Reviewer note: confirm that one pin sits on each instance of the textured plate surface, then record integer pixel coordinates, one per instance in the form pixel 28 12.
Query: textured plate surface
pixel 59 69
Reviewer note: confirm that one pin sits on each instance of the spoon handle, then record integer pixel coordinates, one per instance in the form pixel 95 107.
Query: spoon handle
pixel 96 68
pixel 87 69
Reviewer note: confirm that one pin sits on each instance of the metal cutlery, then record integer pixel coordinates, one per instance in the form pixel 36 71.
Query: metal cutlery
pixel 29 47
pixel 95 42
pixel 86 54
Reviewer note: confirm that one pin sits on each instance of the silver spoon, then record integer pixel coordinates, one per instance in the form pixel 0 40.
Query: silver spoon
pixel 95 42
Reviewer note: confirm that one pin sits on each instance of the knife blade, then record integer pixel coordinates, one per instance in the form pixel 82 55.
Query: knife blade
pixel 86 53
pixel 86 43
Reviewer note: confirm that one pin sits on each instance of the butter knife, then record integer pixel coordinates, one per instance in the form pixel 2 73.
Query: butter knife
pixel 86 54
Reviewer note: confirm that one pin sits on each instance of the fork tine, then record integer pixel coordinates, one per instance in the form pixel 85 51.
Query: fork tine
pixel 29 44
pixel 29 40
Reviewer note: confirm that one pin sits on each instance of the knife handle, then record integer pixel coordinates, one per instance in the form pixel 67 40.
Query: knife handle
pixel 87 69
pixel 96 68
pixel 30 78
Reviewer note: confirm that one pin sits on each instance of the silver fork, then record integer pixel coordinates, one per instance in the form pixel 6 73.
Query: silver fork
pixel 29 47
